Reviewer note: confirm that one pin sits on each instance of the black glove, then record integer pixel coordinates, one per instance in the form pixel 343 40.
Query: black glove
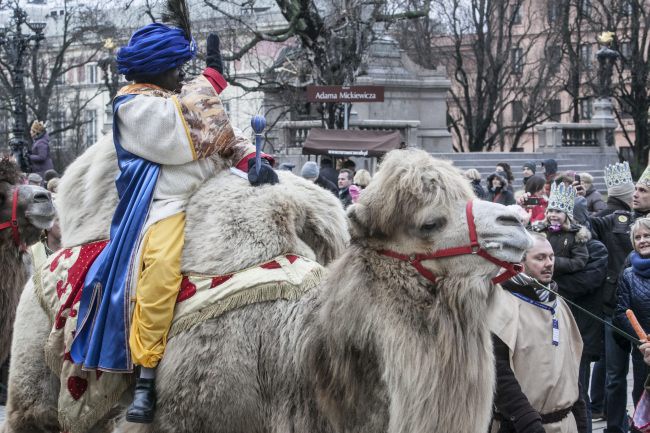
pixel 266 175
pixel 213 58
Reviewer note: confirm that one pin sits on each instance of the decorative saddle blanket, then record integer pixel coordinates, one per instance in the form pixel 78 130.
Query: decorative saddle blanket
pixel 87 396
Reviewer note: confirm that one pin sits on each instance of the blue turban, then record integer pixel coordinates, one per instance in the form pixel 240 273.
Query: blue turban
pixel 154 49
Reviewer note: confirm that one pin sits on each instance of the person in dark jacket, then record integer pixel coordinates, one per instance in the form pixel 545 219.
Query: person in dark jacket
pixel 474 177
pixel 634 294
pixel 498 191
pixel 537 348
pixel 613 229
pixel 40 154
pixel 311 172
pixel 595 201
pixel 505 169
pixel 344 182
pixel 550 173
pixel 528 170
pixel 585 288
pixel 328 171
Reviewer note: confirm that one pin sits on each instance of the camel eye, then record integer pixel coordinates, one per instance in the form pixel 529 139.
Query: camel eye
pixel 433 225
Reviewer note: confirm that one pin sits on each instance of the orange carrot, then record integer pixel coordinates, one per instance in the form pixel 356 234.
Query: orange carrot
pixel 636 325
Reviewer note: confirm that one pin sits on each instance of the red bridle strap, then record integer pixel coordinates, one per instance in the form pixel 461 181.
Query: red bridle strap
pixel 13 222
pixel 415 260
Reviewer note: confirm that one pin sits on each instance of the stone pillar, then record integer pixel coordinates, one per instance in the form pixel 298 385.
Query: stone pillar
pixel 410 93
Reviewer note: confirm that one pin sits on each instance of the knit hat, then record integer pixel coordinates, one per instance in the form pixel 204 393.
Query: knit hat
pixel 618 179
pixel 550 166
pixel 34 178
pixel 530 165
pixel 310 170
pixel 562 198
pixel 38 127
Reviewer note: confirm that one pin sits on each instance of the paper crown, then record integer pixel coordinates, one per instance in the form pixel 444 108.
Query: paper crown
pixel 645 177
pixel 618 174
pixel 562 198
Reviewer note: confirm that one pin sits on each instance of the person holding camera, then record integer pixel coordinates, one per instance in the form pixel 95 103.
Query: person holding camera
pixel 533 200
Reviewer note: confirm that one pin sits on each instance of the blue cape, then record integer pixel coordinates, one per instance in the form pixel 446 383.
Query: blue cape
pixel 101 338
pixel 154 49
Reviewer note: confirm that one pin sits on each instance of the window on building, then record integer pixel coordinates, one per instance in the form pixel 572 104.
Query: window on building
pixel 586 108
pixel 554 56
pixel 517 111
pixel 92 73
pixel 553 11
pixel 60 79
pixel 585 8
pixel 90 126
pixel 585 56
pixel 515 13
pixel 627 7
pixel 625 109
pixel 81 74
pixel 517 59
pixel 58 121
pixel 554 110
pixel 625 49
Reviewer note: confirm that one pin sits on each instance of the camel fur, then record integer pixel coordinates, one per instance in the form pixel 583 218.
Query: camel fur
pixel 376 347
pixel 35 212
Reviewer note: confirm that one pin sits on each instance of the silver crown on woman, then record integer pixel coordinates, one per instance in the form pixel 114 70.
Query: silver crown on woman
pixel 618 174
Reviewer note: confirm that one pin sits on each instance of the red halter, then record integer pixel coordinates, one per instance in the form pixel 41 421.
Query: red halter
pixel 13 222
pixel 511 269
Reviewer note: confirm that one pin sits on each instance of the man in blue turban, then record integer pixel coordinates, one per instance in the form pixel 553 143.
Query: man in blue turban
pixel 164 133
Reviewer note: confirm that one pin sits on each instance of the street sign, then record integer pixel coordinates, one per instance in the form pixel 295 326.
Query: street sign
pixel 345 93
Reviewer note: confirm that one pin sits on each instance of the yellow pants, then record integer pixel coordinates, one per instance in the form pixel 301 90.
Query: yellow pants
pixel 157 289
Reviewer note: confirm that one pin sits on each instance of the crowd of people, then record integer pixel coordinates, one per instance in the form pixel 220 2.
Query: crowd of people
pixel 590 262
pixel 345 182
pixel 594 253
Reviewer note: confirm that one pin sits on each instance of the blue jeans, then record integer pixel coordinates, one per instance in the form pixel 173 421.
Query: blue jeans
pixel 617 365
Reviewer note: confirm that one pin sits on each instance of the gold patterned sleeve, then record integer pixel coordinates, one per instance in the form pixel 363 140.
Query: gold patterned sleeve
pixel 206 122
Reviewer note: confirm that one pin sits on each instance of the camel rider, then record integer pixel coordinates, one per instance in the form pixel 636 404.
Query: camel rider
pixel 164 134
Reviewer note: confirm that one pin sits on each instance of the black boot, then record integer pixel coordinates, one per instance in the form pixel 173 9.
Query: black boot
pixel 143 406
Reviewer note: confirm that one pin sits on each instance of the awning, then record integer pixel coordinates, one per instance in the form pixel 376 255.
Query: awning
pixel 342 142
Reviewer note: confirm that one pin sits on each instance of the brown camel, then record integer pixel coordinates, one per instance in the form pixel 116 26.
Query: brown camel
pixel 380 346
pixel 34 212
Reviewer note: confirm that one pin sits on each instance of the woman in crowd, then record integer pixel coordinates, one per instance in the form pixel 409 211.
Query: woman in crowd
pixel 634 294
pixel 505 168
pixel 359 183
pixel 474 177
pixel 533 199
pixel 40 154
pixel 498 191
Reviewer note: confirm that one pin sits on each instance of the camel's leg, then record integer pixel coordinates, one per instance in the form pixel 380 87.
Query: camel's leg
pixel 33 389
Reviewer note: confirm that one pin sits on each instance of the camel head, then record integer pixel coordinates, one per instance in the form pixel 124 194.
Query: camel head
pixel 416 204
pixel 34 209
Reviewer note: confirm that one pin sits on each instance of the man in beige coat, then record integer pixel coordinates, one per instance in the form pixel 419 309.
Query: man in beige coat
pixel 537 347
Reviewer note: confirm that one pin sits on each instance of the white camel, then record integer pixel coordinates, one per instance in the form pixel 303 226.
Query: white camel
pixel 378 346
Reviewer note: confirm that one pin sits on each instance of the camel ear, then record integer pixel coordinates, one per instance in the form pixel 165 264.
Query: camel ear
pixel 357 221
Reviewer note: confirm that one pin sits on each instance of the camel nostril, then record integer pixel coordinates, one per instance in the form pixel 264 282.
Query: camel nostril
pixel 509 220
pixel 42 197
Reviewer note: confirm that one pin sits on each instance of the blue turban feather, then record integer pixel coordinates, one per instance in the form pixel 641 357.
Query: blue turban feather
pixel 154 49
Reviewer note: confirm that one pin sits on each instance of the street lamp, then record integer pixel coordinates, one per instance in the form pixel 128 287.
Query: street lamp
pixel 17 43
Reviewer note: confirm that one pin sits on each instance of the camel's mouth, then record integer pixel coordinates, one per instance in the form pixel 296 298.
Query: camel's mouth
pixel 507 251
pixel 41 215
